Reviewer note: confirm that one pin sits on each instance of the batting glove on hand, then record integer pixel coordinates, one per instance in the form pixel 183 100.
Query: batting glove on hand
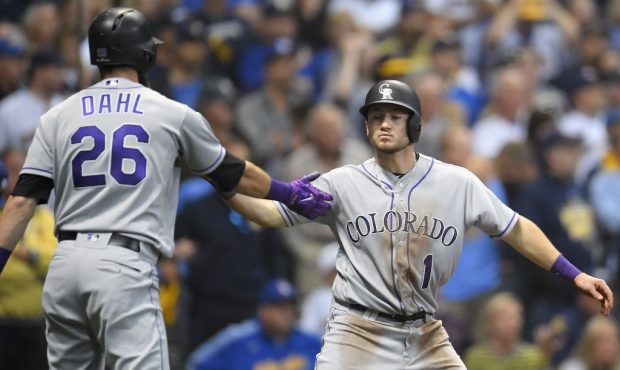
pixel 306 199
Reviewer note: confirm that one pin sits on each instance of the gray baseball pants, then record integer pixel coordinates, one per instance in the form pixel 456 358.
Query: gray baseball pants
pixel 102 309
pixel 355 341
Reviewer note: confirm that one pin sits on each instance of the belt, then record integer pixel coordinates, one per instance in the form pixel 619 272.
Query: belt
pixel 115 239
pixel 420 315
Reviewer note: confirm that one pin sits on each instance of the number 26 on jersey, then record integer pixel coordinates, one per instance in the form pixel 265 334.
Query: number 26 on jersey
pixel 118 153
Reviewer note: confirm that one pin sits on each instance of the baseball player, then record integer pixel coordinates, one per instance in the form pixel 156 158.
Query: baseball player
pixel 112 153
pixel 400 219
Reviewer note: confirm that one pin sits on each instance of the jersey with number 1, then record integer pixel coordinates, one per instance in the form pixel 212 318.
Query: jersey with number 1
pixel 113 151
pixel 401 237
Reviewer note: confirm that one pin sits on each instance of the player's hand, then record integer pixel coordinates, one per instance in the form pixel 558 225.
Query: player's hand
pixel 306 199
pixel 597 289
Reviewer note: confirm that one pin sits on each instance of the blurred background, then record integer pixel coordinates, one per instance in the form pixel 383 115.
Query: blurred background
pixel 524 93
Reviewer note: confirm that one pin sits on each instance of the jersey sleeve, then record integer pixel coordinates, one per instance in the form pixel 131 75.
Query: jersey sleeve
pixel 40 158
pixel 292 218
pixel 201 150
pixel 484 210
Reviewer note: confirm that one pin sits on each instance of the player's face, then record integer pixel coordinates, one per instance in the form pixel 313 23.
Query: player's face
pixel 387 128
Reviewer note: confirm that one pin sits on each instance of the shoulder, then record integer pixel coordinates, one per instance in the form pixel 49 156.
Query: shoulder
pixel 437 168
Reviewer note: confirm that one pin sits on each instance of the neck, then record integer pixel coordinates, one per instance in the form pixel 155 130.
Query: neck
pixel 127 73
pixel 400 162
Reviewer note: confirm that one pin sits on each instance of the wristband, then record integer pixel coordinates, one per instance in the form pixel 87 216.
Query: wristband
pixel 279 191
pixel 4 256
pixel 562 267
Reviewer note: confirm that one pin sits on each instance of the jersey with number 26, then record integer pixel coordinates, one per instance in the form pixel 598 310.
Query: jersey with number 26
pixel 401 237
pixel 113 151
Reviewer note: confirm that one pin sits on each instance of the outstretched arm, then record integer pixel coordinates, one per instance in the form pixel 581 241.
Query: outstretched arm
pixel 531 242
pixel 262 211
pixel 236 176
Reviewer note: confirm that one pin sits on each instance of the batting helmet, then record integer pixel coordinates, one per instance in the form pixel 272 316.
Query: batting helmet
pixel 398 93
pixel 121 36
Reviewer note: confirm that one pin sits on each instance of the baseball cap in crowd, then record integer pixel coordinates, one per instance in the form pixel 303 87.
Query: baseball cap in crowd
pixel 280 47
pixel 11 48
pixel 44 58
pixel 585 77
pixel 220 89
pixel 277 291
pixel 193 29
pixel 558 139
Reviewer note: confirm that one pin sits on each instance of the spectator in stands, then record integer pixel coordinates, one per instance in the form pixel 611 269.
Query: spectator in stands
pixel 564 329
pixel 439 113
pixel 42 25
pixel 477 276
pixel 348 68
pixel 223 261
pixel 501 346
pixel 12 59
pixel 316 305
pixel 604 191
pixel 597 348
pixel 328 147
pixel 187 72
pixel 587 118
pixel 516 167
pixel 22 326
pixel 277 22
pixel 505 121
pixel 462 83
pixel 544 24
pixel 555 203
pixel 264 117
pixel 271 341
pixel 20 111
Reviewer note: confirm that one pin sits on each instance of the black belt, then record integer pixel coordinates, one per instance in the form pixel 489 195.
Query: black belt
pixel 115 239
pixel 420 315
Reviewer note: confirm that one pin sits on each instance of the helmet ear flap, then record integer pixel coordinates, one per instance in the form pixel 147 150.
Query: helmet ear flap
pixel 414 127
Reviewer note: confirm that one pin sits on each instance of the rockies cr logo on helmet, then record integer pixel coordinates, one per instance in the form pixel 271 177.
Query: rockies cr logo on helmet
pixel 386 92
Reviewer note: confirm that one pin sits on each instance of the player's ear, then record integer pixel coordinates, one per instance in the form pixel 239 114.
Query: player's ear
pixel 367 133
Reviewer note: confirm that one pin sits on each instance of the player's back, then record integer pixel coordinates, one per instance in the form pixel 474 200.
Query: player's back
pixel 114 149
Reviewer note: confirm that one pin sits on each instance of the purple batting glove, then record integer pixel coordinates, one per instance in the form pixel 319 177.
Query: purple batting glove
pixel 307 200
pixel 301 196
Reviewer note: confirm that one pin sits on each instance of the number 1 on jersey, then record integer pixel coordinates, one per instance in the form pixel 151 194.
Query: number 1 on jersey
pixel 428 267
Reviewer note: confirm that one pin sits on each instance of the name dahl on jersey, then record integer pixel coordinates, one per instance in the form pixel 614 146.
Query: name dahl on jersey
pixel 111 103
pixel 393 221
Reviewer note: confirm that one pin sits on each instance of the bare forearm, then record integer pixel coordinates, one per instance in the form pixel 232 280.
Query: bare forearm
pixel 14 219
pixel 262 211
pixel 255 182
pixel 527 239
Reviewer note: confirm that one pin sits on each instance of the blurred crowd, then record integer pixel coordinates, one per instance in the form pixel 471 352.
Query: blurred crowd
pixel 524 93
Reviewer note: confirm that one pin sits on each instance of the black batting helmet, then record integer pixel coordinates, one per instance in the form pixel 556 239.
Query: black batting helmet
pixel 121 36
pixel 398 93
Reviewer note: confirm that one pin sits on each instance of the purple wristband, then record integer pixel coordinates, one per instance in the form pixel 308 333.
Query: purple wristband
pixel 4 256
pixel 279 191
pixel 562 267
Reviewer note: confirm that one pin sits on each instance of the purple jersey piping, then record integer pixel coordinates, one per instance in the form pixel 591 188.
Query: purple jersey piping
pixel 507 226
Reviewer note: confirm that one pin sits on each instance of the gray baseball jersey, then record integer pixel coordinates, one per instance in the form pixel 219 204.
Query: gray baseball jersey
pixel 113 151
pixel 401 237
